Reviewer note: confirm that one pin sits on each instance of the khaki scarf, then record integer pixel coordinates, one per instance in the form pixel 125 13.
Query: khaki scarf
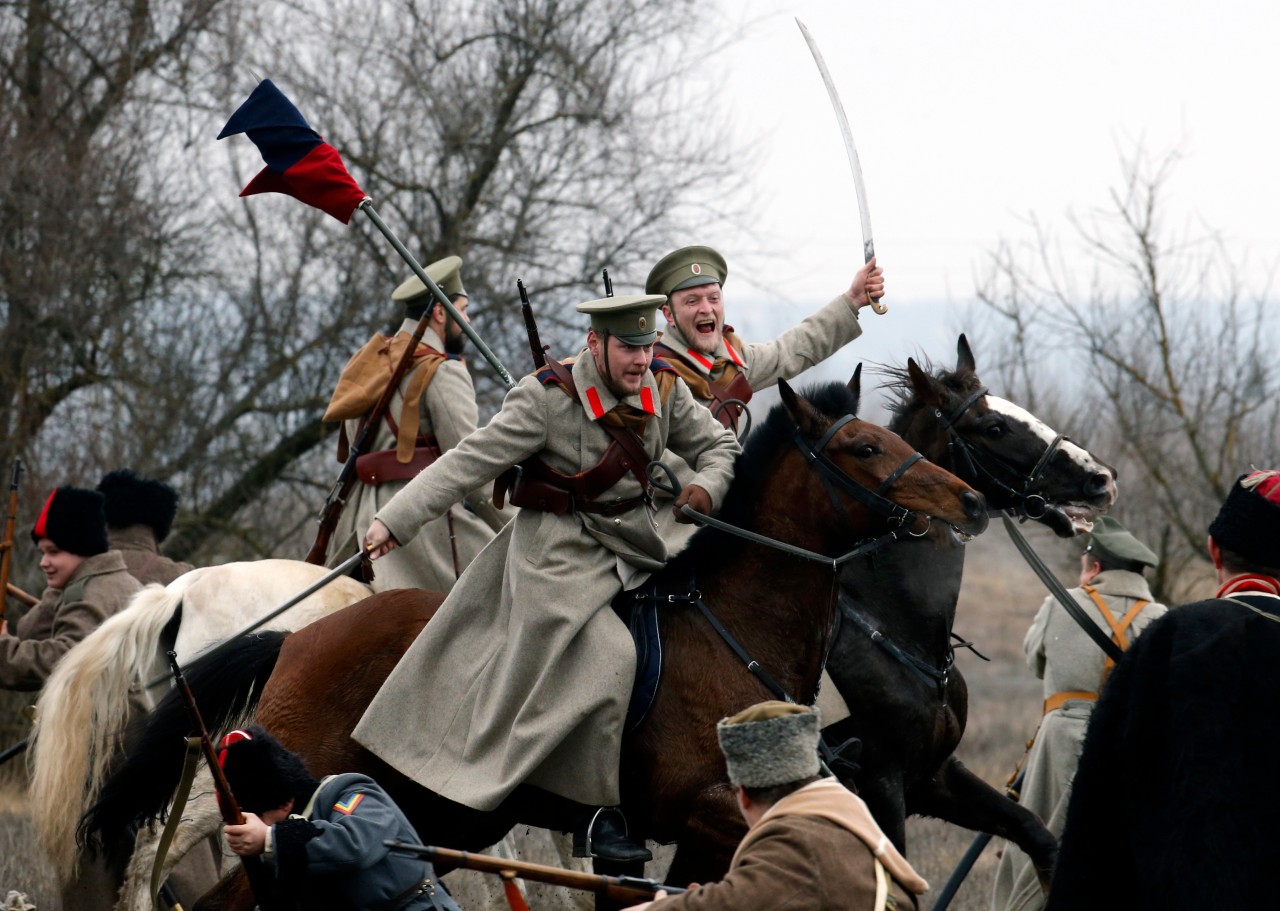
pixel 365 377
pixel 698 382
pixel 830 800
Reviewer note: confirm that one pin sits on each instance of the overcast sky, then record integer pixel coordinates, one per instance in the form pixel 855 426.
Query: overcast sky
pixel 969 117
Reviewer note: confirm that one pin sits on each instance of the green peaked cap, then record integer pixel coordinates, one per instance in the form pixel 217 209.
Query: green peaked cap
pixel 1110 539
pixel 687 267
pixel 633 318
pixel 447 273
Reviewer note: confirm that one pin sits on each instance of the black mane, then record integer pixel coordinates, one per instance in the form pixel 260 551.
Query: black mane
pixel 904 402
pixel 766 443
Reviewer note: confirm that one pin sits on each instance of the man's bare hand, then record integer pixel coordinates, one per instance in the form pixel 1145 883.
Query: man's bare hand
pixel 697 498
pixel 249 838
pixel 379 541
pixel 868 285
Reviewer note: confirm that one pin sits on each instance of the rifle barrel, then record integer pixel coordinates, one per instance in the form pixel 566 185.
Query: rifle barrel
pixel 619 888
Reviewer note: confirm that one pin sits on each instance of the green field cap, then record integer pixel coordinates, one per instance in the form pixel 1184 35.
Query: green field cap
pixel 633 318
pixel 447 273
pixel 687 267
pixel 1110 539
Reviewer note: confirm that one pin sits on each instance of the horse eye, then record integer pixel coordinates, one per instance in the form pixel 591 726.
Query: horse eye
pixel 865 451
pixel 995 431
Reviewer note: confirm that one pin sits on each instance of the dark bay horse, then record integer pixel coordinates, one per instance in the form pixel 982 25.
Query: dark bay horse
pixel 910 710
pixel 802 479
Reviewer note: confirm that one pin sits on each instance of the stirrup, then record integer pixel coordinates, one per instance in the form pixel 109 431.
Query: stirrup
pixel 605 837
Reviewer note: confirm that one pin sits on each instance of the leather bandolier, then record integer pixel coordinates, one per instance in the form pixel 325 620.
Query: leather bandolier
pixel 1119 629
pixel 533 484
pixel 730 393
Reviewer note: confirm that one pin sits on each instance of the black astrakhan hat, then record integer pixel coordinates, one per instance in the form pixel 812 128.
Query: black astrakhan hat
pixel 1248 524
pixel 74 519
pixel 262 772
pixel 134 500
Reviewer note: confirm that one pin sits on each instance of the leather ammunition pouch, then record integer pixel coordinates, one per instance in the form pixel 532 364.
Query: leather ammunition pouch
pixel 726 409
pixel 374 468
pixel 535 485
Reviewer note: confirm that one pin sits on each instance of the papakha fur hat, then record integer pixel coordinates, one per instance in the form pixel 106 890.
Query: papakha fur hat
pixel 262 772
pixel 73 518
pixel 134 500
pixel 1248 524
pixel 772 743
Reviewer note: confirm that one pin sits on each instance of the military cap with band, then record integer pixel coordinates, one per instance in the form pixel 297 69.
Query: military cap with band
pixel 1111 540
pixel 447 273
pixel 633 318
pixel 687 267
pixel 770 744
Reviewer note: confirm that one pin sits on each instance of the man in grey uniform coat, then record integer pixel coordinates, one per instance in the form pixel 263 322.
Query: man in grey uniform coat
pixel 434 408
pixel 1115 595
pixel 524 674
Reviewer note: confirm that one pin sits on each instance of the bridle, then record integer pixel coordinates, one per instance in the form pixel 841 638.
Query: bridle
pixel 833 476
pixel 971 460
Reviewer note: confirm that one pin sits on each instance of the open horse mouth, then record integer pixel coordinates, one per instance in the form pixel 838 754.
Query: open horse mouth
pixel 1070 519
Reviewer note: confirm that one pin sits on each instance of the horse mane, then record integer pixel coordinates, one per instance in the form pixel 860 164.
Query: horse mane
pixel 764 446
pixel 904 403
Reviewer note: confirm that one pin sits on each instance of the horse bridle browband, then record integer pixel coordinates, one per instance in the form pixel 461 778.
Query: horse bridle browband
pixel 1030 505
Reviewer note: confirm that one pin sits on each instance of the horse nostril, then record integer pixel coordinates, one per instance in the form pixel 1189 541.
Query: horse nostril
pixel 1098 483
pixel 974 504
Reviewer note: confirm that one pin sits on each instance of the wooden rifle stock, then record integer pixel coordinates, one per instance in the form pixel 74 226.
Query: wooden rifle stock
pixel 257 874
pixel 337 499
pixel 631 889
pixel 6 545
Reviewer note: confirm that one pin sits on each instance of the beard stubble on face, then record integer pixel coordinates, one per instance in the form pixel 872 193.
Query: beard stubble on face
pixel 455 341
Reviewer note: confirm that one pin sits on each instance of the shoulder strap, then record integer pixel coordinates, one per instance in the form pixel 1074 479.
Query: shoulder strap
pixel 1118 627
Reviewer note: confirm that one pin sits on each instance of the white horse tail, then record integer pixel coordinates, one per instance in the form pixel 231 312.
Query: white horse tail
pixel 82 712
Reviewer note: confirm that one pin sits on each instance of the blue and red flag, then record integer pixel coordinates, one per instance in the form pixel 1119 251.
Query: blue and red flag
pixel 299 163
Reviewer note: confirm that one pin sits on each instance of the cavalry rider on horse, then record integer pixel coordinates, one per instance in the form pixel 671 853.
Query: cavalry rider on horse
pixel 720 369
pixel 524 674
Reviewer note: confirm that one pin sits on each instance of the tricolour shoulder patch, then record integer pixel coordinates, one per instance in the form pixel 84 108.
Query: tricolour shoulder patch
pixel 348 806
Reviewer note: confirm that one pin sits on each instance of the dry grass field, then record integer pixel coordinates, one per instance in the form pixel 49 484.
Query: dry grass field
pixel 998 600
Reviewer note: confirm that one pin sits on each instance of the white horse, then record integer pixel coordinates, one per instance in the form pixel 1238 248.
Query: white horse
pixel 86 701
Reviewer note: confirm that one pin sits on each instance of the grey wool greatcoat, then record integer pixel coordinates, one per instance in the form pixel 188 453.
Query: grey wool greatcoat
pixel 142 557
pixel 448 412
pixel 525 673
pixel 1061 653
pixel 99 587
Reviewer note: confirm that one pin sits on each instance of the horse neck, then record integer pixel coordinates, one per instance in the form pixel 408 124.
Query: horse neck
pixel 909 588
pixel 919 427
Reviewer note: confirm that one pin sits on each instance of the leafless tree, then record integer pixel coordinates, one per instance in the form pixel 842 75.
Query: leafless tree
pixel 1164 353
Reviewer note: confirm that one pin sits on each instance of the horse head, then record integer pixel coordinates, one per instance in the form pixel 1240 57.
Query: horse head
pixel 869 480
pixel 1013 457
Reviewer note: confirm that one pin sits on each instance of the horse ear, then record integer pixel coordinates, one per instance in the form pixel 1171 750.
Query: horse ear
pixel 964 356
pixel 855 387
pixel 807 418
pixel 928 389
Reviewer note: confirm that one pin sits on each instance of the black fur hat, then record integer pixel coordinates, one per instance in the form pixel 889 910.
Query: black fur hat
pixel 133 500
pixel 1248 524
pixel 262 772
pixel 74 519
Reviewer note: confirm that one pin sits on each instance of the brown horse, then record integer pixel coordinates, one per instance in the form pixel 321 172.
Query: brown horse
pixel 779 606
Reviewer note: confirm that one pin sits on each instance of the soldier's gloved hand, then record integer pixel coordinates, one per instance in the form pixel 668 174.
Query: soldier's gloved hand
pixel 697 498
pixel 379 541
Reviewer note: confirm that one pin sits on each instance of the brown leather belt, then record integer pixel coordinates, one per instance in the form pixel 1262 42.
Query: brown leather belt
pixel 1057 699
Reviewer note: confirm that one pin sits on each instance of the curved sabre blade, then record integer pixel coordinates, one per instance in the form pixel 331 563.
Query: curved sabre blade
pixel 868 243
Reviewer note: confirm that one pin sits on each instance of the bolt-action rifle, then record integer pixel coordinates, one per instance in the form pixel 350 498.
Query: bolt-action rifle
pixel 337 499
pixel 11 519
pixel 259 881
pixel 629 889
pixel 531 327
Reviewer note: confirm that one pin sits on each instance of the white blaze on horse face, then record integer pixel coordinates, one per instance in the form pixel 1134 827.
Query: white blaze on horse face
pixel 1078 455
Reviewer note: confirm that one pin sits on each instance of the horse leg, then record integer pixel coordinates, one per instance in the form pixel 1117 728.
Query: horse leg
pixel 884 797
pixel 707 841
pixel 958 796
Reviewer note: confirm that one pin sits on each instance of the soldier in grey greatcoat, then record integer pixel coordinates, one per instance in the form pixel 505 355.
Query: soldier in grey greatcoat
pixel 525 672
pixel 431 412
pixel 1115 595
pixel 140 513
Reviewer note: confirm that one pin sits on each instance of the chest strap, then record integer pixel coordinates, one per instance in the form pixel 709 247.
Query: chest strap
pixel 731 392
pixel 1119 635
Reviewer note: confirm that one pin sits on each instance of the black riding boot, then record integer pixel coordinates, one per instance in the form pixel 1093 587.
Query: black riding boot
pixel 603 834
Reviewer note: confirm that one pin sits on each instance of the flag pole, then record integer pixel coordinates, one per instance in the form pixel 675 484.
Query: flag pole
pixel 366 204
